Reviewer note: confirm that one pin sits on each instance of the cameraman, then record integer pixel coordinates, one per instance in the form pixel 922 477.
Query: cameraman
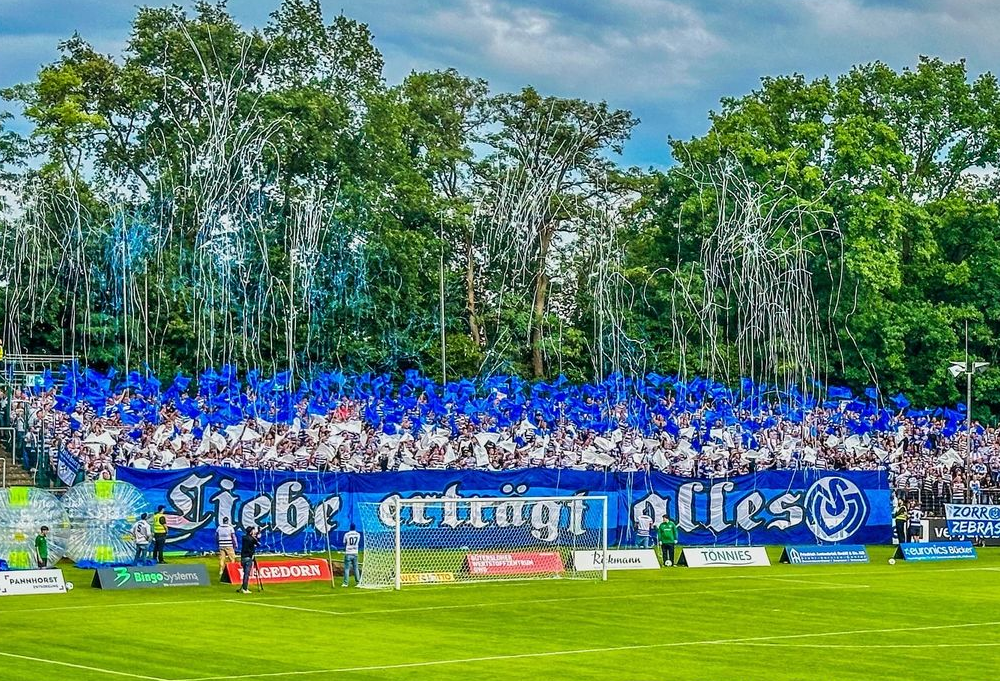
pixel 251 540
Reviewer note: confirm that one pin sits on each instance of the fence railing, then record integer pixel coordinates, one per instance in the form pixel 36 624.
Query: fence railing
pixel 33 456
pixel 932 501
pixel 8 437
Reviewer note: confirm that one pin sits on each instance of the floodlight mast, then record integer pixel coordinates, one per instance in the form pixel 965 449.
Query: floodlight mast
pixel 968 368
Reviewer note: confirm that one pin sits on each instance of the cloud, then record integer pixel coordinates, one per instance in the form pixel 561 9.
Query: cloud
pixel 635 48
pixel 669 61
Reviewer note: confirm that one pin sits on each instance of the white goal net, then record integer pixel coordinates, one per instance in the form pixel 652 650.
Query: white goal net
pixel 439 541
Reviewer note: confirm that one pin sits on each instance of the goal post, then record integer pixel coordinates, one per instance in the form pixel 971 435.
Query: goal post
pixel 480 539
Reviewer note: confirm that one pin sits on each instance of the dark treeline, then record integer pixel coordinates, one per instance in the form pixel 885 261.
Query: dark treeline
pixel 265 198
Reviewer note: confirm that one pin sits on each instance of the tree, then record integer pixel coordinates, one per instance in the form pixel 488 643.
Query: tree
pixel 893 158
pixel 448 114
pixel 931 116
pixel 13 153
pixel 552 150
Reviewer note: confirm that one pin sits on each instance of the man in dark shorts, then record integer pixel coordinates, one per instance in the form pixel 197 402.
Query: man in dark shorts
pixel 42 547
pixel 666 533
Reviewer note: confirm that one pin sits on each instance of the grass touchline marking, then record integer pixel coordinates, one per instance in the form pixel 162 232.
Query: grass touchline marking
pixel 462 606
pixel 871 646
pixel 439 588
pixel 142 604
pixel 362 592
pixel 792 580
pixel 428 589
pixel 82 666
pixel 583 651
pixel 137 604
pixel 284 607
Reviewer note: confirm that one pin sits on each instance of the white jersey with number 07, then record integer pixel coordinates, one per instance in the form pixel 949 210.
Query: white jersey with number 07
pixel 351 542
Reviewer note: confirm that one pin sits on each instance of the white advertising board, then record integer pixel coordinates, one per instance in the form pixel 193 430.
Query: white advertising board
pixel 634 559
pixel 724 556
pixel 30 582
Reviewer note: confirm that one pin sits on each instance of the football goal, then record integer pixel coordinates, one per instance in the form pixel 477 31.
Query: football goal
pixel 478 539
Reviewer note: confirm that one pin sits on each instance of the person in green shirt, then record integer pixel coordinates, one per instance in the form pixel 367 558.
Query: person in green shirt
pixel 666 532
pixel 42 547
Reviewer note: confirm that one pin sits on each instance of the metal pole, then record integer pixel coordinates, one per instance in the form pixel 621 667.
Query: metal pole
pixel 329 553
pixel 444 359
pixel 124 298
pixel 968 418
pixel 397 548
pixel 604 543
pixel 42 452
pixel 968 435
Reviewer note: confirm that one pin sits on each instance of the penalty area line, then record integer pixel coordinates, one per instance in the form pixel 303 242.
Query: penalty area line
pixel 71 665
pixel 586 651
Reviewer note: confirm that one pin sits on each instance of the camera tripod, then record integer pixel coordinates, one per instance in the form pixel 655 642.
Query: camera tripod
pixel 256 569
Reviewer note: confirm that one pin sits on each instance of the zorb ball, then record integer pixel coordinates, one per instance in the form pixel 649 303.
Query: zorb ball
pixel 23 512
pixel 101 514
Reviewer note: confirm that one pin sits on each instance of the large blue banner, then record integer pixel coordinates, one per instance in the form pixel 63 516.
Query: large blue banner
pixel 300 511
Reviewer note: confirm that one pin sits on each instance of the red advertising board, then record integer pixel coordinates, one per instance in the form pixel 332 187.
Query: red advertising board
pixel 298 570
pixel 527 563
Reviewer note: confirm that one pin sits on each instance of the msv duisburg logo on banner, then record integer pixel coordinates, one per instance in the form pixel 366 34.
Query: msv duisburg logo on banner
pixel 835 509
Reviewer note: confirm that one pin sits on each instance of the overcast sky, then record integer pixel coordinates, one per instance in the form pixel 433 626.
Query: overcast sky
pixel 669 61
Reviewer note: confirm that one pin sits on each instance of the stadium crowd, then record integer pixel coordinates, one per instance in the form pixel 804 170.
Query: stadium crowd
pixel 368 424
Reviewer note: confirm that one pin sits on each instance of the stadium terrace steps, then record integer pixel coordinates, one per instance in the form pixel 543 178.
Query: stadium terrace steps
pixel 16 475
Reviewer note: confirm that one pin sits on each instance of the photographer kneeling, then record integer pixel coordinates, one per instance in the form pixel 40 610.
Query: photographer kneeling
pixel 251 540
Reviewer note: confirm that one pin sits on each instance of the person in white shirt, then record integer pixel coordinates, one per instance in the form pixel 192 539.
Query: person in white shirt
pixel 227 544
pixel 143 534
pixel 916 528
pixel 352 540
pixel 643 527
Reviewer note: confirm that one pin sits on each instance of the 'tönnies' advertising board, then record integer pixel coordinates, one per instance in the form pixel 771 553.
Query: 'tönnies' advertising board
pixel 724 556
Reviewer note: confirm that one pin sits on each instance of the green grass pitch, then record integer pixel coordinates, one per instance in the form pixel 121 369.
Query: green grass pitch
pixel 904 621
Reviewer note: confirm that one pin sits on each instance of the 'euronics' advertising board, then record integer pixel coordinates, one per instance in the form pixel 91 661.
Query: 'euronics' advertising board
pixel 950 550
